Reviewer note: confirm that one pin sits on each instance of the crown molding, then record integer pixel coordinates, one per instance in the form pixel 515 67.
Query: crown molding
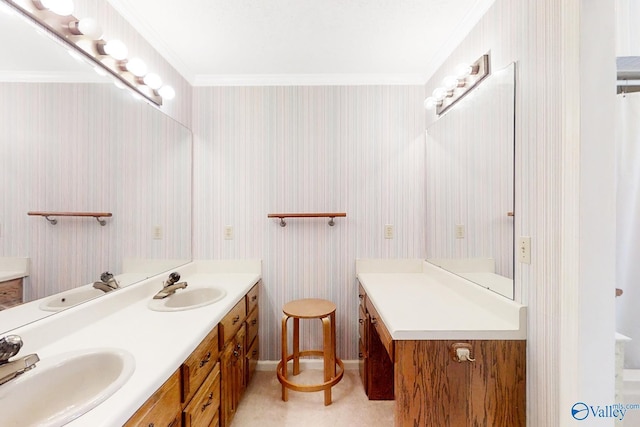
pixel 49 77
pixel 309 80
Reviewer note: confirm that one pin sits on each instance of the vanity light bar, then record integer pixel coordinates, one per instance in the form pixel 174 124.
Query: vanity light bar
pixel 455 86
pixel 85 36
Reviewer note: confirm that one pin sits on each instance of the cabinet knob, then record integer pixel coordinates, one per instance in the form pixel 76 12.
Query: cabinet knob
pixel 255 297
pixel 361 321
pixel 209 402
pixel 374 320
pixel 206 359
pixel 235 319
pixel 253 322
pixel 235 353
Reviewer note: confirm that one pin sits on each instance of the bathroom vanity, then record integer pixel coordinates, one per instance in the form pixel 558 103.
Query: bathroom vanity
pixel 186 362
pixel 448 351
pixel 12 273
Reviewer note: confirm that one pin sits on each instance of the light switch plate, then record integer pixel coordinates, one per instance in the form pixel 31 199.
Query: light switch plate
pixel 388 231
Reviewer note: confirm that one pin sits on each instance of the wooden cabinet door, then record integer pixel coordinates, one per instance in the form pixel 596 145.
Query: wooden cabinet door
pixel 162 409
pixel 233 375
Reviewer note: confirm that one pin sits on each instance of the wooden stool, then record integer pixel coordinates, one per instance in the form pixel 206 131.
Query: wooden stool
pixel 310 309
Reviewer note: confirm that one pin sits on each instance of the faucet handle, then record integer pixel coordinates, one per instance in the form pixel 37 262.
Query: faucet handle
pixel 9 347
pixel 173 278
pixel 106 276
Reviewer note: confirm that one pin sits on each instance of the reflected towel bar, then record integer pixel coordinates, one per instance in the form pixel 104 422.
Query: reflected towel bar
pixel 96 215
pixel 330 215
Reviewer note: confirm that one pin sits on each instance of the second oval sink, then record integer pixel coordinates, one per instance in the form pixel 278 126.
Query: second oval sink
pixel 70 298
pixel 188 299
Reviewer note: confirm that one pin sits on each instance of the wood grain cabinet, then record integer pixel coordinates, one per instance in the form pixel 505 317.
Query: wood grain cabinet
pixel 431 388
pixel 376 357
pixel 10 293
pixel 201 383
pixel 207 388
pixel 162 409
pixel 239 352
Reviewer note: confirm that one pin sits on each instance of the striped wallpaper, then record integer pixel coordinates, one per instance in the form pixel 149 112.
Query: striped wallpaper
pixel 261 150
pixel 89 147
pixel 563 171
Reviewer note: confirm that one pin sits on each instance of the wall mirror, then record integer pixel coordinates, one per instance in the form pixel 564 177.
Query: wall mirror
pixel 71 141
pixel 470 185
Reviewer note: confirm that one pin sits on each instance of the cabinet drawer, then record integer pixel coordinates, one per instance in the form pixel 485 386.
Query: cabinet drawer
pixel 205 404
pixel 232 322
pixel 162 409
pixel 252 326
pixel 198 365
pixel 381 329
pixel 253 354
pixel 362 323
pixel 10 293
pixel 361 295
pixel 253 297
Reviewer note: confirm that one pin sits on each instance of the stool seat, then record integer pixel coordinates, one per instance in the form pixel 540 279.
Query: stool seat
pixel 310 308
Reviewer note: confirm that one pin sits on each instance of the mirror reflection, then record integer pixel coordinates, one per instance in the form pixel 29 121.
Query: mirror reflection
pixel 70 141
pixel 470 185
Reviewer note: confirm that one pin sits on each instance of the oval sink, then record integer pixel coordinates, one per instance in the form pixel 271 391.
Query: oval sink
pixel 187 299
pixel 69 298
pixel 62 388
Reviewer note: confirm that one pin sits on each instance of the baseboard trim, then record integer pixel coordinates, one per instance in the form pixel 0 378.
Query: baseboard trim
pixel 316 364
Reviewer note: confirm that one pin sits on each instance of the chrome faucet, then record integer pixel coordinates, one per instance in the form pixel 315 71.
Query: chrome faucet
pixel 170 286
pixel 9 347
pixel 107 282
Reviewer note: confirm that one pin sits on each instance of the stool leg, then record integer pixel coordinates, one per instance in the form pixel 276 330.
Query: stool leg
pixel 285 395
pixel 329 358
pixel 296 346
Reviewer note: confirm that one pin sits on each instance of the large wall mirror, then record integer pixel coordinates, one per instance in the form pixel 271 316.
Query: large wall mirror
pixel 470 185
pixel 71 141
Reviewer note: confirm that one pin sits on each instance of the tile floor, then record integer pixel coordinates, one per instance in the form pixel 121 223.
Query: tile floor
pixel 262 405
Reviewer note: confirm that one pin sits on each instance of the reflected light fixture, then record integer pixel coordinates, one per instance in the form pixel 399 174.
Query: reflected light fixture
pixel 153 81
pixel 454 87
pixel 54 18
pixel 136 66
pixel 114 48
pixel 87 27
pixel 167 92
pixel 59 7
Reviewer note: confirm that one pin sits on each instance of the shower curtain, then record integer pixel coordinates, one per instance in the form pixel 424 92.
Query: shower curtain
pixel 627 141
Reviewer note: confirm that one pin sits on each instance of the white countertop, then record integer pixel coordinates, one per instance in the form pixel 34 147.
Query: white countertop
pixel 159 341
pixel 428 303
pixel 13 268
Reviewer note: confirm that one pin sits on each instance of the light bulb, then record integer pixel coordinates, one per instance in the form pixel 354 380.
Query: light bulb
pixel 462 71
pixel 153 81
pixel 450 83
pixel 59 7
pixel 167 92
pixel 113 48
pixel 430 103
pixel 439 94
pixel 86 26
pixel 136 66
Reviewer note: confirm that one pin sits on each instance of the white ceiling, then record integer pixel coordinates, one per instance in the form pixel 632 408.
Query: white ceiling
pixel 303 41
